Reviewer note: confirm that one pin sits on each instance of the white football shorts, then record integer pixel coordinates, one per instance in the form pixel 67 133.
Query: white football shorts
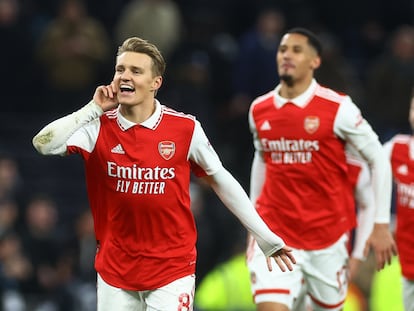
pixel 408 293
pixel 323 273
pixel 175 296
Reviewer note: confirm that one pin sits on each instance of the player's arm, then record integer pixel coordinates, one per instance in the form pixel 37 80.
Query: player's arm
pixel 365 203
pixel 51 140
pixel 258 169
pixel 380 240
pixel 236 200
pixel 353 128
pixel 233 196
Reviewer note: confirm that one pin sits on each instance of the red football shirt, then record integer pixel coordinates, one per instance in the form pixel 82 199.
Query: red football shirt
pixel 306 195
pixel 402 161
pixel 138 179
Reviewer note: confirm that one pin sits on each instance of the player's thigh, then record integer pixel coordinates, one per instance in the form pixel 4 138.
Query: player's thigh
pixel 273 286
pixel 111 298
pixel 326 276
pixel 175 296
pixel 408 294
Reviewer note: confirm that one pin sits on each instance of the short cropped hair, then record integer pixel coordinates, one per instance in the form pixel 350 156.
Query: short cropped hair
pixel 312 38
pixel 138 45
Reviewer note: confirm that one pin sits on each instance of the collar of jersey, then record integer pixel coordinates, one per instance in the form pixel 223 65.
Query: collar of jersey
pixel 150 123
pixel 299 101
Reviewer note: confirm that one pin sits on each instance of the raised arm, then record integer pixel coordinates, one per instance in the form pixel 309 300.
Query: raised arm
pixel 51 140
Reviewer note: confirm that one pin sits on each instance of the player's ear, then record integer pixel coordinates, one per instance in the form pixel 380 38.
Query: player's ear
pixel 316 62
pixel 156 83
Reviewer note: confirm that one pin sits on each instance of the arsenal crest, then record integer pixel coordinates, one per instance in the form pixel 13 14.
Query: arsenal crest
pixel 311 124
pixel 166 149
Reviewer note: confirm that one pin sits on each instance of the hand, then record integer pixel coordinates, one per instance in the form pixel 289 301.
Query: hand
pixel 383 245
pixel 284 258
pixel 105 96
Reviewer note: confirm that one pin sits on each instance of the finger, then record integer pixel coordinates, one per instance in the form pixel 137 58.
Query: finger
pixel 394 249
pixel 291 257
pixel 104 91
pixel 113 87
pixel 280 263
pixel 269 264
pixel 110 92
pixel 390 254
pixel 287 262
pixel 380 261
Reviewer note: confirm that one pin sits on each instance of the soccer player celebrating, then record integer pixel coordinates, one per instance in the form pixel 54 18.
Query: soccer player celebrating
pixel 401 152
pixel 138 156
pixel 299 181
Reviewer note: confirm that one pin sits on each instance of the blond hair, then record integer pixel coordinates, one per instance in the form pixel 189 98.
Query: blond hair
pixel 138 45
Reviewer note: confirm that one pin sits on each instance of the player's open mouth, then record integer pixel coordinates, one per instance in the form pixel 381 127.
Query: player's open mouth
pixel 124 88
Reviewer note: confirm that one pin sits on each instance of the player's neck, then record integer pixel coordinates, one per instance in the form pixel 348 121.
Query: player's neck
pixel 138 113
pixel 295 89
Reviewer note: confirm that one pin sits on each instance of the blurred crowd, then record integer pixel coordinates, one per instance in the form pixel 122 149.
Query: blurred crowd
pixel 220 55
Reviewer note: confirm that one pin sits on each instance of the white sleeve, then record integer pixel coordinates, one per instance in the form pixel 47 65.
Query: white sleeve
pixel 257 176
pixel 258 169
pixel 381 173
pixel 365 202
pixel 53 138
pixel 237 201
pixel 353 128
pixel 202 152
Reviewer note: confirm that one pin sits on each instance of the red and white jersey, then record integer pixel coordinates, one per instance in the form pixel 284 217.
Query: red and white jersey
pixel 306 193
pixel 138 179
pixel 360 177
pixel 401 151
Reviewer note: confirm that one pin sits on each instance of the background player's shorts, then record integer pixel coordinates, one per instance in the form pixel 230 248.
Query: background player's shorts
pixel 322 272
pixel 408 293
pixel 175 296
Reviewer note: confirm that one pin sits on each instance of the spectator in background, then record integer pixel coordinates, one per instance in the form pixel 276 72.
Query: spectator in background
pixel 15 269
pixel 389 84
pixel 368 43
pixel 11 184
pixel 72 50
pixel 86 251
pixel 336 70
pixel 85 236
pixel 16 55
pixel 191 89
pixel 39 13
pixel 158 21
pixel 42 244
pixel 254 73
pixel 9 216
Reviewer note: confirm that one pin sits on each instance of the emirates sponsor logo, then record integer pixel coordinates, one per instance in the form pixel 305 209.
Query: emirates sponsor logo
pixel 166 149
pixel 284 144
pixel 311 124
